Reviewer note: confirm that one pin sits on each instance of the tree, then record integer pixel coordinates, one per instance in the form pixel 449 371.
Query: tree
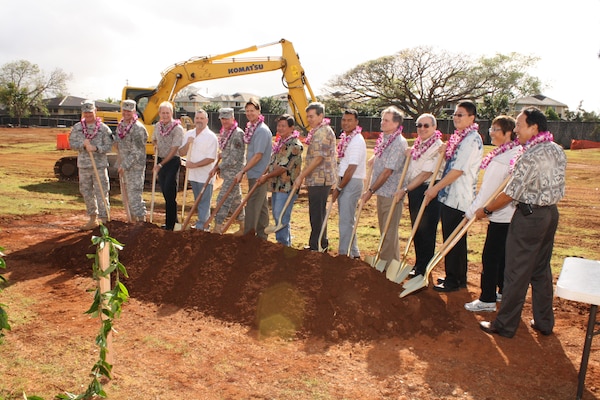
pixel 420 80
pixel 552 115
pixel 23 87
pixel 271 105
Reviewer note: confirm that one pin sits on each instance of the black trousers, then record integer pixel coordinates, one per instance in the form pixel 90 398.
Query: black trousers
pixel 167 179
pixel 493 259
pixel 317 208
pixel 424 238
pixel 456 259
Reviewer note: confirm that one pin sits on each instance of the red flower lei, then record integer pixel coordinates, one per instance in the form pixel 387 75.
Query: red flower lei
pixel 497 151
pixel 541 137
pixel 420 147
pixel 250 128
pixel 280 143
pixel 122 131
pixel 92 135
pixel 170 127
pixel 224 136
pixel 345 141
pixel 312 131
pixel 458 137
pixel 380 146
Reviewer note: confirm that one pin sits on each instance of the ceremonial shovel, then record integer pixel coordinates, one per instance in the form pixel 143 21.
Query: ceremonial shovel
pixel 178 226
pixel 324 225
pixel 153 184
pixel 375 262
pixel 420 282
pixel 100 188
pixel 278 226
pixel 357 215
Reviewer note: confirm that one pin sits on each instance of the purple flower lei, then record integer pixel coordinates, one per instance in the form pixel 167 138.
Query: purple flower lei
pixel 92 135
pixel 224 136
pixel 420 147
pixel 121 130
pixel 380 146
pixel 170 127
pixel 345 141
pixel 279 143
pixel 497 151
pixel 312 131
pixel 541 137
pixel 250 128
pixel 457 137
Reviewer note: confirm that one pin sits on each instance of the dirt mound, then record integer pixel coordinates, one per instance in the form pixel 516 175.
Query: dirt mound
pixel 266 286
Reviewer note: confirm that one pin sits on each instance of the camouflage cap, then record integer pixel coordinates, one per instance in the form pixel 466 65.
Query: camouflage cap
pixel 226 113
pixel 128 105
pixel 88 106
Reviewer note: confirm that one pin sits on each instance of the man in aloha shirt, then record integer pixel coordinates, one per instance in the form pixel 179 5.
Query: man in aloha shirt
pixel 285 166
pixel 456 190
pixel 320 171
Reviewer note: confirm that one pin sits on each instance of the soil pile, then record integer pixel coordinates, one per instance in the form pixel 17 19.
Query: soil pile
pixel 266 286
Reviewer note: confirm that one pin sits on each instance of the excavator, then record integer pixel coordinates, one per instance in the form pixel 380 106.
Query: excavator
pixel 198 69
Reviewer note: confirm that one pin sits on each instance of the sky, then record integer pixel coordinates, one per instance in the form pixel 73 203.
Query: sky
pixel 106 44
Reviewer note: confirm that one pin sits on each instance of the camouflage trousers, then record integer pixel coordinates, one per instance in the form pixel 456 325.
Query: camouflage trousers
pixel 231 203
pixel 134 181
pixel 88 187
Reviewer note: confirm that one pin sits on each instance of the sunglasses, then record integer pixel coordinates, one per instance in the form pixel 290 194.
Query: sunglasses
pixel 426 126
pixel 459 115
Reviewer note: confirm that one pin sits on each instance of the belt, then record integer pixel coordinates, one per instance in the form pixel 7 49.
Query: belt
pixel 533 206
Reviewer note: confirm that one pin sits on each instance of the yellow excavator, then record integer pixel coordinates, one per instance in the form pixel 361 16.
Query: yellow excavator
pixel 198 69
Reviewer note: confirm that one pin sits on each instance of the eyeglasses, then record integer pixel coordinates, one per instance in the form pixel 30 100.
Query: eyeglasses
pixel 494 130
pixel 426 126
pixel 459 115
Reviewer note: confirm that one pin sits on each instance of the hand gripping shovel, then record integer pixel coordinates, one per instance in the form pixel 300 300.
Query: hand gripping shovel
pixel 398 271
pixel 178 226
pixel 239 209
pixel 195 206
pixel 375 262
pixel 361 203
pixel 100 188
pixel 324 225
pixel 153 184
pixel 278 226
pixel 420 282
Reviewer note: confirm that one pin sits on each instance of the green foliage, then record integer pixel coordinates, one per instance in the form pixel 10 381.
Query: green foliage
pixel 552 115
pixel 493 106
pixel 107 305
pixel 581 115
pixel 211 107
pixel 23 86
pixel 271 105
pixel 3 315
pixel 421 79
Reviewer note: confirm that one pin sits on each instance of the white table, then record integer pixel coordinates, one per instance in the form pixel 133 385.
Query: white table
pixel 579 281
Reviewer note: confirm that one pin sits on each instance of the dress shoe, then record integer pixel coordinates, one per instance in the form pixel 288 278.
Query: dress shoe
pixel 462 285
pixel 443 288
pixel 543 332
pixel 488 327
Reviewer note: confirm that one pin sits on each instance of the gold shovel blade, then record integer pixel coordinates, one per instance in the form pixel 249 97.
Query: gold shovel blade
pixel 392 270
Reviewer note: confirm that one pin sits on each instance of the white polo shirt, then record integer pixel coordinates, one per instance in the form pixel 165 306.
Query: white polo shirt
pixel 205 145
pixel 356 153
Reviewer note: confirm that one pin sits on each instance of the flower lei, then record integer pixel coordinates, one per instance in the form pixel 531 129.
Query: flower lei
pixel 250 128
pixel 380 146
pixel 345 141
pixel 121 130
pixel 457 137
pixel 497 151
pixel 224 136
pixel 92 135
pixel 170 127
pixel 541 137
pixel 420 147
pixel 312 131
pixel 279 143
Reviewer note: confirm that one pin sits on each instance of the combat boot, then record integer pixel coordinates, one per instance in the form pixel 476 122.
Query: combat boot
pixel 218 229
pixel 91 224
pixel 240 231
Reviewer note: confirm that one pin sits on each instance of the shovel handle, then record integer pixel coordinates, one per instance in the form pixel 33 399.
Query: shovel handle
pixel 324 224
pixel 100 188
pixel 285 206
pixel 195 206
pixel 123 187
pixel 153 184
pixel 185 180
pixel 219 205
pixel 357 215
pixel 388 220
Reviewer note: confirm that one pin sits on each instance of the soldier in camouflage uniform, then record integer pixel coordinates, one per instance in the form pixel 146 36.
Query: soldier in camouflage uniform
pixel 131 139
pixel 91 135
pixel 232 156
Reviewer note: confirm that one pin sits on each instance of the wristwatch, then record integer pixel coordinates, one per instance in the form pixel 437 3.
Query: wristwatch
pixel 486 211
